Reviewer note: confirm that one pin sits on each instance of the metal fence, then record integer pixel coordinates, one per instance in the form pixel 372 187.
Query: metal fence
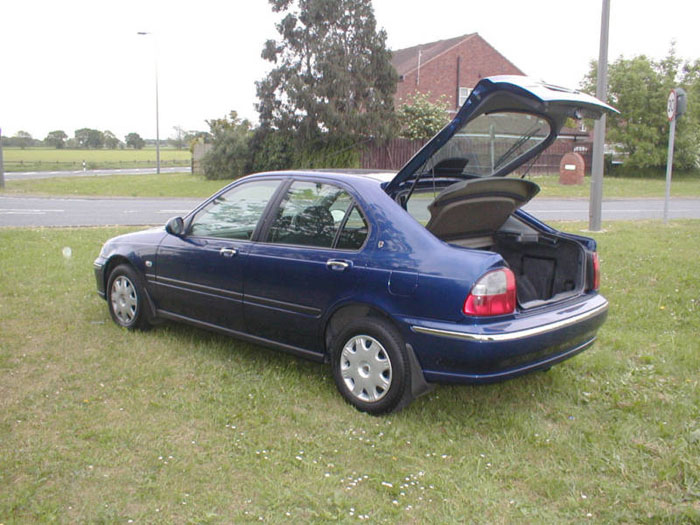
pixel 45 165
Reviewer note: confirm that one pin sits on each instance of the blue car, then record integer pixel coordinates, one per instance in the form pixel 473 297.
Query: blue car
pixel 398 280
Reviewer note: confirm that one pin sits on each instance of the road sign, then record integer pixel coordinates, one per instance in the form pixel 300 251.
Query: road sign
pixel 671 105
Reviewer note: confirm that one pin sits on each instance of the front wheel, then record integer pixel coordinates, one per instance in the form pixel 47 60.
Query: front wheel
pixel 370 366
pixel 126 298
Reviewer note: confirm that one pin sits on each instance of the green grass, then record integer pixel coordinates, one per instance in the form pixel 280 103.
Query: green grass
pixel 177 425
pixel 183 185
pixel 49 159
pixel 619 187
pixel 164 185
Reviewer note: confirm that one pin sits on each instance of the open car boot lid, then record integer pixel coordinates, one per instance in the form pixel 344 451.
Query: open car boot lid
pixel 505 122
pixel 477 206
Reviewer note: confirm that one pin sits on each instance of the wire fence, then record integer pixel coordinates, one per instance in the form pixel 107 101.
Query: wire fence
pixel 42 165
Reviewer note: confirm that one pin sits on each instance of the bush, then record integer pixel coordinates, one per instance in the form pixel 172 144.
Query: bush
pixel 270 150
pixel 230 155
pixel 334 154
pixel 420 119
pixel 276 150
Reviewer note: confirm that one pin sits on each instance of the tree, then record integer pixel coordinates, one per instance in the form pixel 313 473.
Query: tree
pixel 134 140
pixel 87 138
pixel 179 138
pixel 23 139
pixel 111 141
pixel 56 139
pixel 421 119
pixel 639 88
pixel 332 71
pixel 230 155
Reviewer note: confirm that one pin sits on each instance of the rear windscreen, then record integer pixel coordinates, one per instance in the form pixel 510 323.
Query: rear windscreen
pixel 488 143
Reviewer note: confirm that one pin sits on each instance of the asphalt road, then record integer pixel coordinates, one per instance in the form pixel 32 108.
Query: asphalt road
pixel 35 211
pixel 24 175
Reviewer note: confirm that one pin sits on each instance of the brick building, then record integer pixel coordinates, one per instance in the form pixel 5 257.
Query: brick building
pixel 449 67
pixel 452 68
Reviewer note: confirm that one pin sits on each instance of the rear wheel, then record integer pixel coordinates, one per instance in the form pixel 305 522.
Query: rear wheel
pixel 126 298
pixel 370 366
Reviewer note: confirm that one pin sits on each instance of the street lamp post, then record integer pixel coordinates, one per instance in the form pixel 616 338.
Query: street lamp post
pixel 595 204
pixel 155 45
pixel 2 169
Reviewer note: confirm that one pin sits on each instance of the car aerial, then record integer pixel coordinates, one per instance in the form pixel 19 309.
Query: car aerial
pixel 399 280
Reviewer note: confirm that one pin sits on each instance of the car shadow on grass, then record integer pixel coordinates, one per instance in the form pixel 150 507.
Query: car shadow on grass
pixel 495 401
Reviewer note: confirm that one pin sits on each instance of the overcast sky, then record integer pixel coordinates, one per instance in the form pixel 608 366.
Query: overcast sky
pixel 67 64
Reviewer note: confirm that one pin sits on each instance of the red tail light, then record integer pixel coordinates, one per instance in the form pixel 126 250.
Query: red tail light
pixel 596 271
pixel 493 294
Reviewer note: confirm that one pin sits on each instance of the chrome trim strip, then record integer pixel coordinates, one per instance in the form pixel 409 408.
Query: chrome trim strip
pixel 266 302
pixel 194 287
pixel 528 332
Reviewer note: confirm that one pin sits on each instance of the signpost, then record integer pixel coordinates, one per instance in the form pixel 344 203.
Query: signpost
pixel 675 107
pixel 2 169
pixel 595 205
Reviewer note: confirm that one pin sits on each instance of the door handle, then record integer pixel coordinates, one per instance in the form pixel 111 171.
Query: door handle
pixel 228 252
pixel 338 265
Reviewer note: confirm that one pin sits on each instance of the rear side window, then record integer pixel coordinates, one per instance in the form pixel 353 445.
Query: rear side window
pixel 312 213
pixel 354 232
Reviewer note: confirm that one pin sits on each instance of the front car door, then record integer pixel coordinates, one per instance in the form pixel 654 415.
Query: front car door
pixel 199 275
pixel 311 259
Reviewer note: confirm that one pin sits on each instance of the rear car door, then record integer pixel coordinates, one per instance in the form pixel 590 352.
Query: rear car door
pixel 199 275
pixel 311 259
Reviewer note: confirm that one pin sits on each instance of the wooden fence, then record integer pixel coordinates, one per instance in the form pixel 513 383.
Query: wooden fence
pixel 393 154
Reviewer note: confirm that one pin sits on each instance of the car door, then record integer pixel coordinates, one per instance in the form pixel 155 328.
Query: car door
pixel 311 258
pixel 199 275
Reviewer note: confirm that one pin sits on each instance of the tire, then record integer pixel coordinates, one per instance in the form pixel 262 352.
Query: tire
pixel 126 298
pixel 371 367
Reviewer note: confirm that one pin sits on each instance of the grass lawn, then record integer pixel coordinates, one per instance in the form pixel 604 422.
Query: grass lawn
pixel 163 185
pixel 186 185
pixel 177 425
pixel 51 159
pixel 619 187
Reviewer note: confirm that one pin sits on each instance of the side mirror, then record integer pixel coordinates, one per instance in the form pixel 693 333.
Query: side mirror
pixel 175 226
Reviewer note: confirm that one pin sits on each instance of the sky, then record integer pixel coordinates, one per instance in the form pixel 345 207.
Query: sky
pixel 71 64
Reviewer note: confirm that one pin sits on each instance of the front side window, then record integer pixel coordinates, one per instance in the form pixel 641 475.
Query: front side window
pixel 234 214
pixel 311 213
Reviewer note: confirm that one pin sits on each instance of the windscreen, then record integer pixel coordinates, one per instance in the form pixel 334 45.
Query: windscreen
pixel 487 143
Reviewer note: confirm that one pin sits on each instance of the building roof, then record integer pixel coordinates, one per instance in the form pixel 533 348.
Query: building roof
pixel 406 60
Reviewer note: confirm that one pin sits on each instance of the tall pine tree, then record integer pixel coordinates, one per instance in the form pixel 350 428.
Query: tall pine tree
pixel 332 76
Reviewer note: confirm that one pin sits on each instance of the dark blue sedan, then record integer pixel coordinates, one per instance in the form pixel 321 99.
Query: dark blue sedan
pixel 399 281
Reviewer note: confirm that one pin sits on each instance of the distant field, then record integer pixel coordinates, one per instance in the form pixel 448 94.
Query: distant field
pixel 49 159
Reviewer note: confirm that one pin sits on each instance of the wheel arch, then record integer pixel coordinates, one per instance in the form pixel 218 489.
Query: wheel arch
pixel 347 312
pixel 111 264
pixel 117 260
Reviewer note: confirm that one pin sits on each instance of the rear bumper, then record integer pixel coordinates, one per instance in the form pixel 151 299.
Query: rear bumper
pixel 480 353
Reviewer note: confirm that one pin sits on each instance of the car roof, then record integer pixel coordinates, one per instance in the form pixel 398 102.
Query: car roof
pixel 379 176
